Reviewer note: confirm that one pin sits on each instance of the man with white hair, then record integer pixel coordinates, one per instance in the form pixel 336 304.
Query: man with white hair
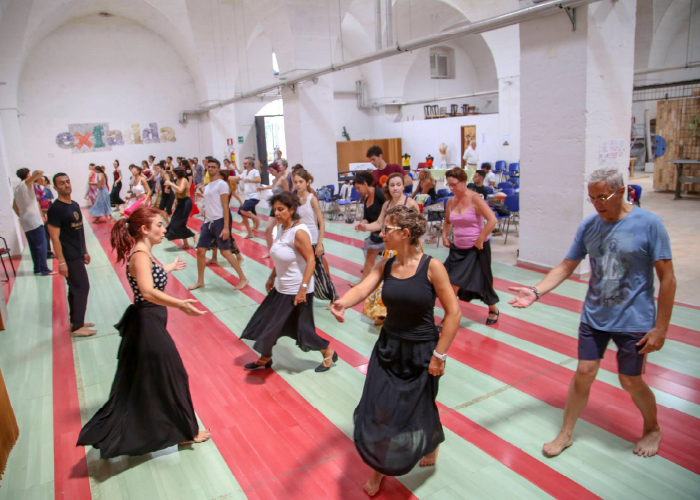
pixel 471 157
pixel 625 244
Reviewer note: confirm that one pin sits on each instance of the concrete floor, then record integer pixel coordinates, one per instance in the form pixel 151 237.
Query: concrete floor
pixel 682 220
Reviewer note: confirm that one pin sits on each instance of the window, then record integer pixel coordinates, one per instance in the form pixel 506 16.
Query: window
pixel 442 62
pixel 438 66
pixel 275 67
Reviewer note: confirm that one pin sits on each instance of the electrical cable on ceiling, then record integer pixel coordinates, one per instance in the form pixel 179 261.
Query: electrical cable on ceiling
pixel 340 31
pixel 330 42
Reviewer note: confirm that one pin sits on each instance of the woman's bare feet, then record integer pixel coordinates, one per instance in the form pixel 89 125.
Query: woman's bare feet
pixel 430 459
pixel 84 332
pixel 242 284
pixel 199 284
pixel 185 246
pixel 372 485
pixel 210 262
pixel 203 436
pixel 560 443
pixel 648 446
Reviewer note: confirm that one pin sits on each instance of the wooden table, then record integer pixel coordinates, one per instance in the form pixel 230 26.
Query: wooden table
pixel 680 180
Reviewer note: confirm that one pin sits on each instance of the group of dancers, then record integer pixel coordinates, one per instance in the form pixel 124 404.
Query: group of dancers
pixel 397 424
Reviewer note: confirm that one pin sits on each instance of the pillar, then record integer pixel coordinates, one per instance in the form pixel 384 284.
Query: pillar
pixel 309 129
pixel 576 95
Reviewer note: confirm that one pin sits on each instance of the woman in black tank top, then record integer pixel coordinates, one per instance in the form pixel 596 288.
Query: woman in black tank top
pixel 397 424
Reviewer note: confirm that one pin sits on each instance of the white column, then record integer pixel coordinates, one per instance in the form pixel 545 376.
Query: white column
pixel 576 94
pixel 10 160
pixel 309 129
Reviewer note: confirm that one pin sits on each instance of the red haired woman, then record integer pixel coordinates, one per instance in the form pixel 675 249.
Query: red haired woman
pixel 149 407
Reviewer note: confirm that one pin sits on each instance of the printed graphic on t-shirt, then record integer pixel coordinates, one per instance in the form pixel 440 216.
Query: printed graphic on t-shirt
pixel 610 284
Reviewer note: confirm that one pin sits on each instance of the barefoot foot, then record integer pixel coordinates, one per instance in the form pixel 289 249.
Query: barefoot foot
pixel 266 256
pixel 203 436
pixel 83 332
pixel 210 262
pixel 430 459
pixel 372 485
pixel 560 443
pixel 648 446
pixel 199 284
pixel 242 284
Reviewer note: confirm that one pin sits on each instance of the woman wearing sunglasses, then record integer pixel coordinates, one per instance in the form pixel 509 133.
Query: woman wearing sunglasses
pixel 397 424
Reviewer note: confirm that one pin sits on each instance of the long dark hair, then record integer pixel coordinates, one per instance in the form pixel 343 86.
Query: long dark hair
pixel 127 231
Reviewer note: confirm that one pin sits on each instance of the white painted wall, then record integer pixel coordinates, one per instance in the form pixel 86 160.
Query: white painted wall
pixel 96 70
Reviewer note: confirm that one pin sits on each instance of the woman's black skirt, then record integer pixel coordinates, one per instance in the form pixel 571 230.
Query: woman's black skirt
pixel 323 285
pixel 177 229
pixel 278 317
pixel 166 202
pixel 470 270
pixel 114 197
pixel 397 421
pixel 149 407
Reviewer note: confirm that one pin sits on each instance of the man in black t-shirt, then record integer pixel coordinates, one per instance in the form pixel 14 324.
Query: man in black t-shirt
pixel 478 184
pixel 68 237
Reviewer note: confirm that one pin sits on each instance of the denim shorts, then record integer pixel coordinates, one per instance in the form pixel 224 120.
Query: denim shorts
pixel 592 344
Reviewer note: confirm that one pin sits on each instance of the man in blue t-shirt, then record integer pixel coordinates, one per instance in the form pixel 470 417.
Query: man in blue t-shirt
pixel 625 245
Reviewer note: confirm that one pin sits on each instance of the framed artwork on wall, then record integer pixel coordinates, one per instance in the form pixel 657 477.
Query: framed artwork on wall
pixel 468 135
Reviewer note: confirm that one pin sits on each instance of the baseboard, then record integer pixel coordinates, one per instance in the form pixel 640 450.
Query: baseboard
pixel 545 269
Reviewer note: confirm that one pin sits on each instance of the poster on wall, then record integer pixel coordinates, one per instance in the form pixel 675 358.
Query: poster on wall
pixel 610 151
pixel 96 137
pixel 468 135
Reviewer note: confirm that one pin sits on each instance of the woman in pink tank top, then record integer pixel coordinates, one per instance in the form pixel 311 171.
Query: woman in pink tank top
pixel 469 261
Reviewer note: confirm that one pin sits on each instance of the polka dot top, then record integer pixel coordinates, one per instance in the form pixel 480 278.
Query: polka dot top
pixel 160 279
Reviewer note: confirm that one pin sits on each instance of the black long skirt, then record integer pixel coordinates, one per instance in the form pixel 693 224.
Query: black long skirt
pixel 114 197
pixel 149 407
pixel 278 317
pixel 397 421
pixel 470 270
pixel 177 229
pixel 323 285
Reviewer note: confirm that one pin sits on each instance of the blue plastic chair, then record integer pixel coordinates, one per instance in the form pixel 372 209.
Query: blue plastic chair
pixel 514 169
pixel 331 187
pixel 508 191
pixel 638 190
pixel 500 166
pixel 513 203
pixel 443 193
pixel 504 185
pixel 489 189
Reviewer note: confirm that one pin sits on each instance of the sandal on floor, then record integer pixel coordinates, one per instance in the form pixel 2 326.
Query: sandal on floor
pixel 255 366
pixel 320 368
pixel 490 321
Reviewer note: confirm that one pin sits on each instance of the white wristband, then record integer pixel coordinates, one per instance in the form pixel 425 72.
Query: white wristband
pixel 441 357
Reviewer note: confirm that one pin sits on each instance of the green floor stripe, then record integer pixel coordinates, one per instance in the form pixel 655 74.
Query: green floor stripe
pixel 26 363
pixel 196 473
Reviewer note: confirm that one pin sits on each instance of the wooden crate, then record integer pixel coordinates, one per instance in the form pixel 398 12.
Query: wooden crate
pixel 674 119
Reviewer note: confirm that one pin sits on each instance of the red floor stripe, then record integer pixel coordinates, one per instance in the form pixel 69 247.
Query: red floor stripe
pixel 512 457
pixel 70 464
pixel 275 443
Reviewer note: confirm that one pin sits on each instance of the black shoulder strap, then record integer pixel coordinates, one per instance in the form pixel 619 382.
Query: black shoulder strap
pixel 387 266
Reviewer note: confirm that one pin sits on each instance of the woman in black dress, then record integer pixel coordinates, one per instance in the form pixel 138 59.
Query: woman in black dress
pixel 149 407
pixel 177 229
pixel 397 424
pixel 115 195
pixel 373 200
